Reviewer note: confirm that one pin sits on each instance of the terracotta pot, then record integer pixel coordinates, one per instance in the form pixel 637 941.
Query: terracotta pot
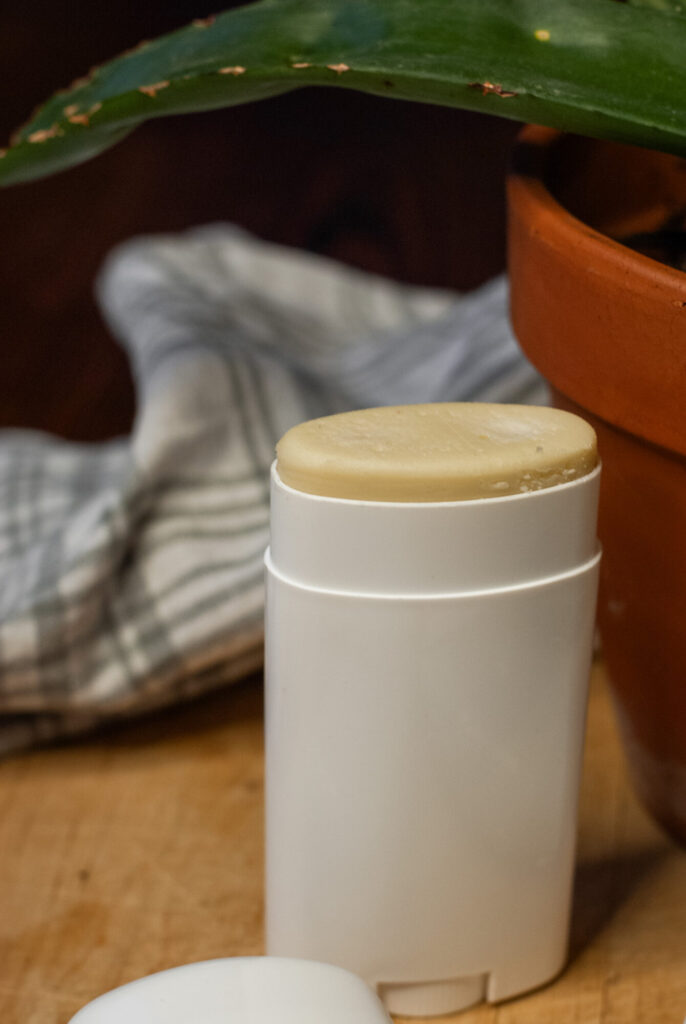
pixel 607 327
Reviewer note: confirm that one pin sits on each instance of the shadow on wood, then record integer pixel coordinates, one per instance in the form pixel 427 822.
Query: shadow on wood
pixel 601 887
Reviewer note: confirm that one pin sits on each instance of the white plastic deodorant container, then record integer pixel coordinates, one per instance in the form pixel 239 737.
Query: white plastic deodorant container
pixel 431 585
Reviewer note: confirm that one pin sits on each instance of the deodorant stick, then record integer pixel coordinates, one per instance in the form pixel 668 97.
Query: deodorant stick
pixel 431 586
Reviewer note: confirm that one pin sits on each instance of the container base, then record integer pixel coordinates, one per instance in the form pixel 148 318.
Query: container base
pixel 434 998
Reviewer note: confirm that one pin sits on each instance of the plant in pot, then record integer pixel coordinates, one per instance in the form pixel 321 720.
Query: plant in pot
pixel 596 243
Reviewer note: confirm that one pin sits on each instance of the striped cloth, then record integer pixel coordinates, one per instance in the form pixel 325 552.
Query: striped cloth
pixel 132 570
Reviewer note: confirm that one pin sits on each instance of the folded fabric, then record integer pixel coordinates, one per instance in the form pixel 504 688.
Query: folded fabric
pixel 132 570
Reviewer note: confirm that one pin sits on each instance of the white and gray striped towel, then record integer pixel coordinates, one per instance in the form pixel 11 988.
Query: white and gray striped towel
pixel 132 571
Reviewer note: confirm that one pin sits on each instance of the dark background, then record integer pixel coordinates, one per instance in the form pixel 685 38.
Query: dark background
pixel 405 190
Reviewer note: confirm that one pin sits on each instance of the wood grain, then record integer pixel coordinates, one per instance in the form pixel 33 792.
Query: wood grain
pixel 141 849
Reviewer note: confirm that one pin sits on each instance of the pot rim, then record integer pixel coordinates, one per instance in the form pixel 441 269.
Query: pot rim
pixel 604 324
pixel 528 169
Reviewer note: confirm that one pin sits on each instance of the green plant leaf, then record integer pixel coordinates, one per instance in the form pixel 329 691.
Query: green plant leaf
pixel 596 67
pixel 675 6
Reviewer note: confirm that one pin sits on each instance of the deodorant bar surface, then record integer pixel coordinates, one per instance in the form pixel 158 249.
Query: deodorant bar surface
pixel 444 452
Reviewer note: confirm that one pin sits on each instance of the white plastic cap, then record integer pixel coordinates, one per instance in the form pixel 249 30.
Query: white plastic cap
pixel 240 990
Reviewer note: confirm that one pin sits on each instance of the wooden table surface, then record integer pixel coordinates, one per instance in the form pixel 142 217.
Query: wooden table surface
pixel 142 849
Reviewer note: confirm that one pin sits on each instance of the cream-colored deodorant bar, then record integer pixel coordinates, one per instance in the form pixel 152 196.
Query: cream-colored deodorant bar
pixel 431 583
pixel 444 452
